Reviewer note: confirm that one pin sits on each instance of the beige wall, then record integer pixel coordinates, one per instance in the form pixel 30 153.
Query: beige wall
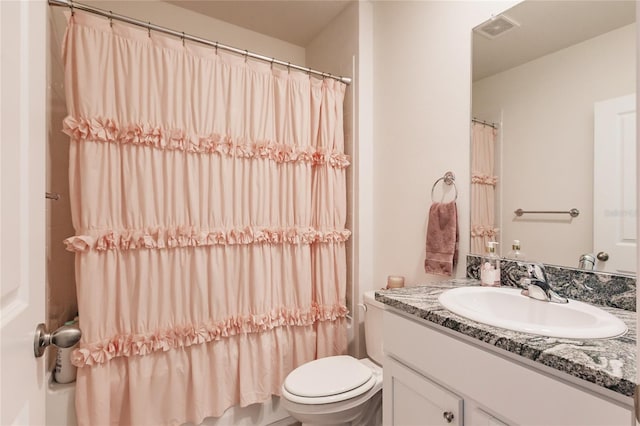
pixel 422 60
pixel 547 140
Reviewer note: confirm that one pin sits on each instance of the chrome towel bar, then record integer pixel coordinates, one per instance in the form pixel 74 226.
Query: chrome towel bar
pixel 572 212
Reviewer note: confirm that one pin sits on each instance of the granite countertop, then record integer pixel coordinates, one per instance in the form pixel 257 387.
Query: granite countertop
pixel 610 363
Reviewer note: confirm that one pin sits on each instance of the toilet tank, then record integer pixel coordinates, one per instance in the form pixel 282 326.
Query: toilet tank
pixel 373 326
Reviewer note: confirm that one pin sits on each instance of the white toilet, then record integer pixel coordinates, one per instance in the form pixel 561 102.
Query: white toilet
pixel 341 390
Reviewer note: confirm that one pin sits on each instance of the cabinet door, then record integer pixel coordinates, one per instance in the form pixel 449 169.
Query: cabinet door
pixel 473 415
pixel 411 399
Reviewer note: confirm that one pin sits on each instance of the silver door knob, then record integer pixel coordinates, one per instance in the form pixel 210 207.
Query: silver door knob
pixel 603 256
pixel 448 416
pixel 64 337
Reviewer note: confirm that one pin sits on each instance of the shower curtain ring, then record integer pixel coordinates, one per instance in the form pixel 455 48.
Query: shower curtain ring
pixel 216 48
pixel 111 18
pixel 272 60
pixel 149 30
pixel 73 13
pixel 288 67
pixel 246 56
pixel 182 39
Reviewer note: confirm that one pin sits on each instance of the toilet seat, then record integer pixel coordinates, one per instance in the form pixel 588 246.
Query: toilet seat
pixel 328 380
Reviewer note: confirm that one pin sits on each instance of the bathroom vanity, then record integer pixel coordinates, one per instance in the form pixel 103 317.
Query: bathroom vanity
pixel 441 368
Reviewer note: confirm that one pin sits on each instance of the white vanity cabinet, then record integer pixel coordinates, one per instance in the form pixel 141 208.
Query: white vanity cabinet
pixel 434 377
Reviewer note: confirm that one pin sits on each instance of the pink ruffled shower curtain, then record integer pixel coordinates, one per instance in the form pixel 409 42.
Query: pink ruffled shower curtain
pixel 483 186
pixel 209 203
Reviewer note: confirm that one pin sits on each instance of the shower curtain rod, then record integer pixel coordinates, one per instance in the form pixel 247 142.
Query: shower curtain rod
pixel 149 26
pixel 494 125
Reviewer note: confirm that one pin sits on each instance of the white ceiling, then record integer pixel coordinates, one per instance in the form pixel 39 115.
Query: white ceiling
pixel 546 27
pixel 294 21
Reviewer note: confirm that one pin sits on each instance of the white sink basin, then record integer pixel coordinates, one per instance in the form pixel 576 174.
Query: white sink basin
pixel 507 308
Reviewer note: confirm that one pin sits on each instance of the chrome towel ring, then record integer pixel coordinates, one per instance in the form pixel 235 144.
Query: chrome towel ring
pixel 449 179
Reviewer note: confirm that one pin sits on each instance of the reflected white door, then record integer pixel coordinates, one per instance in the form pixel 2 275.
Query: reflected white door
pixel 614 189
pixel 22 220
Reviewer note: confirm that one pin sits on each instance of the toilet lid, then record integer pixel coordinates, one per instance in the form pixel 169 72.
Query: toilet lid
pixel 327 376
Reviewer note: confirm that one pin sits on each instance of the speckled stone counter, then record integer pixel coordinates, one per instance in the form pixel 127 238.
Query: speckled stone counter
pixel 610 363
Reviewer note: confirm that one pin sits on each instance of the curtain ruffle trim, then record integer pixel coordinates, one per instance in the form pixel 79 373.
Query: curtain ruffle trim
pixel 107 130
pixel 484 179
pixel 126 345
pixel 483 231
pixel 186 236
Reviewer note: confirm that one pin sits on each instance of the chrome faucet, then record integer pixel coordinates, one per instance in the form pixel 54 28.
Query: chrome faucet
pixel 536 284
pixel 587 261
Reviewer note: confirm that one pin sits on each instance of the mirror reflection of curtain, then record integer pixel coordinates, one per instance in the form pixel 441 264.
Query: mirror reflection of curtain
pixel 209 202
pixel 483 186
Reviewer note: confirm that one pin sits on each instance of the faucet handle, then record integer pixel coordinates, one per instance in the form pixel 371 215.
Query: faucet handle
pixel 535 270
pixel 538 272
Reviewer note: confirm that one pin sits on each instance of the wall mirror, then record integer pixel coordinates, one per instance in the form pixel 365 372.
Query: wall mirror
pixel 558 81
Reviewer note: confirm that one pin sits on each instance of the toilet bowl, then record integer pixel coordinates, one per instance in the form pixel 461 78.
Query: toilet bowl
pixel 340 390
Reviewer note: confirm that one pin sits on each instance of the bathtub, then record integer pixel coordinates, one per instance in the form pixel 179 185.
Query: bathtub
pixel 60 410
pixel 60 404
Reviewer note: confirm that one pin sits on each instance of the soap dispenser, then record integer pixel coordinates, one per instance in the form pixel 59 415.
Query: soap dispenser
pixel 515 253
pixel 490 268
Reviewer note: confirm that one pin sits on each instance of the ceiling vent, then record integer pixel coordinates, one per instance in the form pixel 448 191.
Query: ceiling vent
pixel 496 26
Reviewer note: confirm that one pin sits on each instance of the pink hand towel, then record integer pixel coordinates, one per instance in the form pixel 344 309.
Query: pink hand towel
pixel 442 239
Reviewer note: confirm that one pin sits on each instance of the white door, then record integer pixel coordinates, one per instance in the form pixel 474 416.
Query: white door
pixel 614 188
pixel 22 221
